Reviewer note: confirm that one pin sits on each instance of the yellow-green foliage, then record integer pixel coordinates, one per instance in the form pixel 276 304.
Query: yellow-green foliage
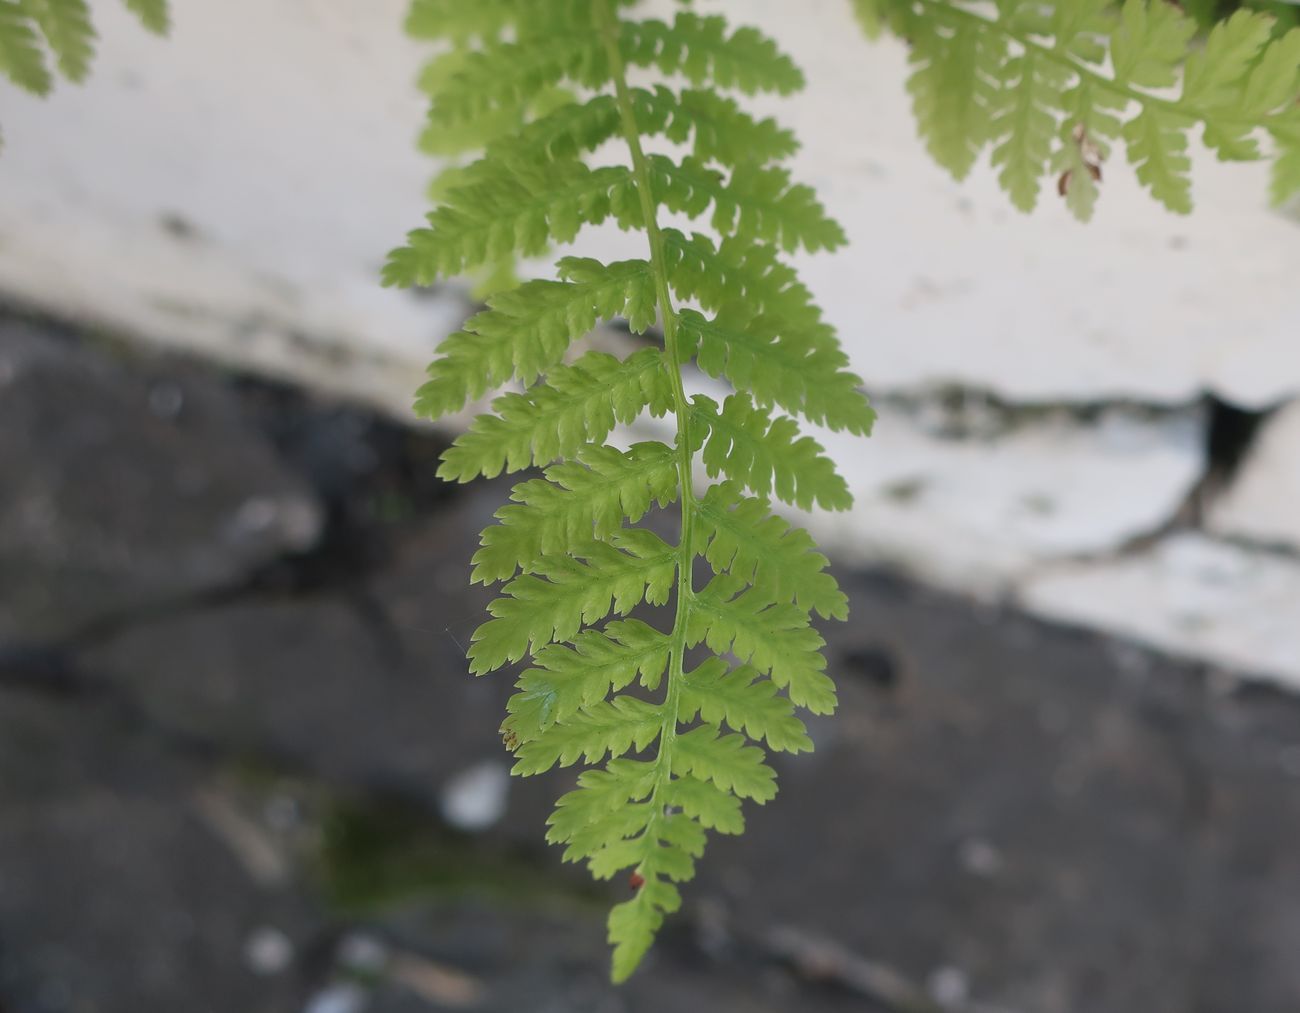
pixel 28 28
pixel 1050 88
pixel 674 746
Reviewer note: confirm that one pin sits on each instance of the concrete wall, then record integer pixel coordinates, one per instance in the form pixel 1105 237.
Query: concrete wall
pixel 235 188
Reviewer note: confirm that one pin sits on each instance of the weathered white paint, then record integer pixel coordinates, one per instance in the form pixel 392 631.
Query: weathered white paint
pixel 235 188
pixel 982 513
pixel 1263 503
pixel 1193 595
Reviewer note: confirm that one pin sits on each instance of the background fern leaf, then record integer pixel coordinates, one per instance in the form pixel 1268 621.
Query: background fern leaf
pixel 67 28
pixel 21 57
pixel 153 14
pixel 1157 147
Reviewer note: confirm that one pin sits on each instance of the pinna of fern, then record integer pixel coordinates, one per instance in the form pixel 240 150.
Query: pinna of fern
pixel 63 27
pixel 1050 88
pixel 673 742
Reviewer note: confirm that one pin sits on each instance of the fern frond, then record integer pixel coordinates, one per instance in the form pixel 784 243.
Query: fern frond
pixel 563 545
pixel 578 500
pixel 1048 86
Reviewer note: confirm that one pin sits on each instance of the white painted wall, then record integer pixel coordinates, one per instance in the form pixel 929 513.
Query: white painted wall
pixel 235 188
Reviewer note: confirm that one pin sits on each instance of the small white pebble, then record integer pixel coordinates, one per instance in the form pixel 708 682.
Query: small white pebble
pixel 980 857
pixel 254 516
pixel 344 998
pixel 166 400
pixel 949 986
pixel 281 813
pixel 268 951
pixel 362 954
pixel 474 799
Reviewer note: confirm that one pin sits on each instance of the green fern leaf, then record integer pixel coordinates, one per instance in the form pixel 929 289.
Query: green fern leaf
pixel 775 639
pixel 746 702
pixel 743 538
pixel 1026 125
pixel 578 500
pixel 563 544
pixel 578 405
pixel 725 760
pixel 569 592
pixel 21 58
pixel 799 370
pixel 1048 86
pixel 1157 147
pixel 739 271
pixel 527 330
pixel 1286 170
pixel 1215 75
pixel 701 50
pixel 757 201
pixel 953 96
pixel 1149 42
pixel 153 14
pixel 460 21
pixel 707 804
pixel 602 728
pixel 767 455
pixel 67 28
pixel 569 679
pixel 522 211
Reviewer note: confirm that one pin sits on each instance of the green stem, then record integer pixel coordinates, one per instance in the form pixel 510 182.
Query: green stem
pixel 608 26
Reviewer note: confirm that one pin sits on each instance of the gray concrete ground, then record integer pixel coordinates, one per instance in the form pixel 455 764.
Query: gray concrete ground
pixel 243 769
